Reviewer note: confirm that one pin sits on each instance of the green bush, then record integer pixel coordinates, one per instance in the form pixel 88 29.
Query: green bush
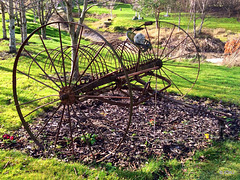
pixel 119 28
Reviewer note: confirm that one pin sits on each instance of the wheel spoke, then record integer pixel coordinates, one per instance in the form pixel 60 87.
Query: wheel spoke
pixel 175 48
pixel 41 107
pixel 162 79
pixel 84 135
pixel 41 68
pixel 52 63
pixel 63 60
pixel 158 43
pixel 173 58
pixel 172 82
pixel 167 42
pixel 37 80
pixel 149 39
pixel 59 126
pixel 192 67
pixel 178 75
pixel 93 59
pixel 70 128
pixel 76 54
pixel 37 100
pixel 47 121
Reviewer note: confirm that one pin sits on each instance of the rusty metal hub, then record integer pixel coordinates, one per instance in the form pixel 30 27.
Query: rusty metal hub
pixel 159 62
pixel 67 95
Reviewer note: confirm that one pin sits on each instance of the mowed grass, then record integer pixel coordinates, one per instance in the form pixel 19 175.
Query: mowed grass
pixel 218 83
pixel 123 14
pixel 220 161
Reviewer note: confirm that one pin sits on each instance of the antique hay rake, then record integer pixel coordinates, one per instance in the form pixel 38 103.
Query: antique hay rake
pixel 123 74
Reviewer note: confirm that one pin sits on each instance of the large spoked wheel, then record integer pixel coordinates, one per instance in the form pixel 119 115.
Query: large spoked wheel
pixel 58 92
pixel 174 52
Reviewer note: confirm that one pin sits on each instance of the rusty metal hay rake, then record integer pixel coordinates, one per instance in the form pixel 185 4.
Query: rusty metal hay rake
pixel 60 106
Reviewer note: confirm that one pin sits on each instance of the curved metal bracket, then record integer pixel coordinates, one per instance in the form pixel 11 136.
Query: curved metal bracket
pixel 143 47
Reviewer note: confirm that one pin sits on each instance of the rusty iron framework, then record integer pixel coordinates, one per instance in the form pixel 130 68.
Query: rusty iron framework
pixel 122 73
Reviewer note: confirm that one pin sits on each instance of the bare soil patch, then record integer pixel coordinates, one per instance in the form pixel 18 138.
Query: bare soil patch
pixel 209 42
pixel 98 16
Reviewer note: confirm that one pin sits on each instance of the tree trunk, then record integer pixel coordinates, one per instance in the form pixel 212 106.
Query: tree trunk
pixel 229 10
pixel 85 4
pixel 112 4
pixel 17 18
pixel 74 35
pixel 12 40
pixel 42 20
pixel 23 21
pixel 43 17
pixel 179 19
pixel 74 39
pixel 194 21
pixel 16 13
pixel 35 16
pixel 4 30
pixel 194 26
pixel 202 4
pixel 157 14
pixel 201 25
pixel 43 33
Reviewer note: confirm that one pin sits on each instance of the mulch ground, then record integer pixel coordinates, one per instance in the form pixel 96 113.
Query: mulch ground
pixel 158 128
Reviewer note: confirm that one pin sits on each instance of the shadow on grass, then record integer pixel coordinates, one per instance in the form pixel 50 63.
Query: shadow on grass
pixel 5 69
pixel 220 161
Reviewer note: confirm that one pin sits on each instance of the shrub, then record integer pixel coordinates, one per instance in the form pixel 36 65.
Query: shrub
pixel 119 28
pixel 232 53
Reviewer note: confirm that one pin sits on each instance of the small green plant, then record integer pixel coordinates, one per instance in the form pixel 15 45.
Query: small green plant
pixel 146 143
pixel 110 168
pixel 134 134
pixel 229 119
pixel 185 122
pixel 91 138
pixel 58 146
pixel 67 140
pixel 165 132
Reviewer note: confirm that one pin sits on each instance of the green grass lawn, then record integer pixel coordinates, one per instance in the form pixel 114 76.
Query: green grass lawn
pixel 218 83
pixel 219 161
pixel 124 17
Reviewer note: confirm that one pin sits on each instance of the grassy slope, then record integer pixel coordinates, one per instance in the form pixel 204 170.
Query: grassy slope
pixel 215 82
pixel 124 18
pixel 218 83
pixel 8 114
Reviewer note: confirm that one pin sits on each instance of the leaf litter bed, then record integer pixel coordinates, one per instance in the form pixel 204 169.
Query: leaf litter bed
pixel 158 128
